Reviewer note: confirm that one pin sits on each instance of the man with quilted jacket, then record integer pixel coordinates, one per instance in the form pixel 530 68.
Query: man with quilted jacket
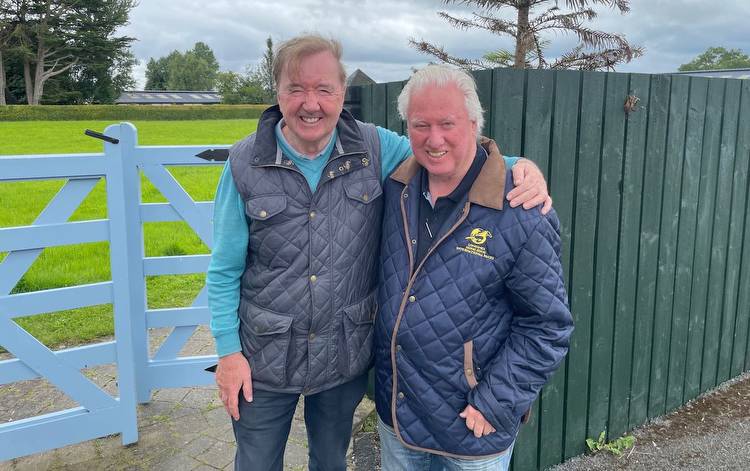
pixel 293 272
pixel 473 314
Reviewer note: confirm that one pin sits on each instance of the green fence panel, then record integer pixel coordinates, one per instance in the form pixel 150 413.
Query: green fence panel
pixel 605 271
pixel 508 95
pixel 739 258
pixel 393 119
pixel 582 278
pixel 691 179
pixel 379 105
pixel 627 268
pixel 711 143
pixel 653 180
pixel 670 210
pixel 725 292
pixel 562 185
pixel 483 79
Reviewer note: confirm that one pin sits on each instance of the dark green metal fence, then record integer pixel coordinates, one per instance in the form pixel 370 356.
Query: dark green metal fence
pixel 656 237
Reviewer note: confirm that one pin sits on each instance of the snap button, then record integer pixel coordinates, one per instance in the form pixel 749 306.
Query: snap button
pixel 398 348
pixel 312 214
pixel 366 197
pixel 401 396
pixel 311 336
pixel 469 372
pixel 412 299
pixel 263 213
pixel 414 241
pixel 365 162
pixel 313 278
pixel 406 195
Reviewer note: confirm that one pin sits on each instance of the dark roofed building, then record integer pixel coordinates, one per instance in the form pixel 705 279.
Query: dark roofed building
pixel 168 97
pixel 727 73
pixel 358 78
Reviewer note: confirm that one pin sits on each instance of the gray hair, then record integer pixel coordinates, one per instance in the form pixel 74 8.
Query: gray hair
pixel 442 75
pixel 291 52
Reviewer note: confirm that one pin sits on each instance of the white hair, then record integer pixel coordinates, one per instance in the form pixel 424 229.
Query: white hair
pixel 442 75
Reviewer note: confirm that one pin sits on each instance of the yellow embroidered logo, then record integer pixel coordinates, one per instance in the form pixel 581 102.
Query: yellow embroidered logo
pixel 477 238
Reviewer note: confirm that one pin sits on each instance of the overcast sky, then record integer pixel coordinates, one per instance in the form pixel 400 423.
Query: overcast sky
pixel 375 33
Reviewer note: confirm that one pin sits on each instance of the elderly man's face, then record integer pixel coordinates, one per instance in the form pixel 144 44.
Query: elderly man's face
pixel 311 101
pixel 443 138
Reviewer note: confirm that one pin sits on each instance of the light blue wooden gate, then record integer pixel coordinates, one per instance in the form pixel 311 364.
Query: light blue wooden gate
pixel 138 373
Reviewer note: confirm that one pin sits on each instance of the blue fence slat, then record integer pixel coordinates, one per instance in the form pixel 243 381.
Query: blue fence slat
pixel 35 167
pixel 182 316
pixel 59 209
pixel 58 299
pixel 180 265
pixel 180 201
pixel 180 335
pixel 172 155
pixel 164 212
pixel 53 235
pixel 64 376
pixel 181 372
pixel 24 437
pixel 79 357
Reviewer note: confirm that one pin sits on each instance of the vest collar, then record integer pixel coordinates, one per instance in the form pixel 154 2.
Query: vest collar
pixel 488 189
pixel 265 152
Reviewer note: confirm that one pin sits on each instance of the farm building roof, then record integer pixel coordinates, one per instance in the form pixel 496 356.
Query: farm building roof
pixel 168 97
pixel 727 73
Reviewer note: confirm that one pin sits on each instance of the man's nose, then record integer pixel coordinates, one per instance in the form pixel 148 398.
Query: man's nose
pixel 311 101
pixel 435 138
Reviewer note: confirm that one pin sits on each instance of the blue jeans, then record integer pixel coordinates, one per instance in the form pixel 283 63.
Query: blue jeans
pixel 263 428
pixel 394 456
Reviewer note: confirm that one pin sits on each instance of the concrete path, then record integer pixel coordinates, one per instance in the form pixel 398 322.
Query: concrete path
pixel 180 429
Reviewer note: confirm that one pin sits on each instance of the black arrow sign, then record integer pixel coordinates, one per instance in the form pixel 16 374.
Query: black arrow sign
pixel 214 155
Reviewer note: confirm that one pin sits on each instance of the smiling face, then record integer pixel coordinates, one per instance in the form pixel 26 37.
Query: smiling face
pixel 311 99
pixel 442 136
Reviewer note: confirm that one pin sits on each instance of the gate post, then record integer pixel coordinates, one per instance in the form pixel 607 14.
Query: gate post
pixel 128 284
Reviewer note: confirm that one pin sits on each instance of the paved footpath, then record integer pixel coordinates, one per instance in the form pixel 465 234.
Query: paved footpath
pixel 180 429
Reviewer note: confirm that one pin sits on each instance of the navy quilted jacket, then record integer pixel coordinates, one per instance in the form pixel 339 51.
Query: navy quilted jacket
pixel 483 320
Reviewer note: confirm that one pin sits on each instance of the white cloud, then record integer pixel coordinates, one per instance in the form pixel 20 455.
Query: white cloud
pixel 375 33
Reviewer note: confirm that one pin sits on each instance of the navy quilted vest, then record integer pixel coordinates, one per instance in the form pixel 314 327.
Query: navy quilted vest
pixel 482 321
pixel 307 299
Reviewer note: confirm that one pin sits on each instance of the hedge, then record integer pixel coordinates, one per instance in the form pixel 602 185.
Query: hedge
pixel 128 112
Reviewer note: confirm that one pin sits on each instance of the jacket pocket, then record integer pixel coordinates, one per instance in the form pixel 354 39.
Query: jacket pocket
pixel 262 208
pixel 364 191
pixel 355 337
pixel 265 338
pixel 469 370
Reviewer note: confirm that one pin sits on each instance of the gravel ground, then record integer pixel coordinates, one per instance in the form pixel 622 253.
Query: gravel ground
pixel 712 432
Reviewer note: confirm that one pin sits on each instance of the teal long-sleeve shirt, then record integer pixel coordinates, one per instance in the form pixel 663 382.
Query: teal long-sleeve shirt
pixel 231 231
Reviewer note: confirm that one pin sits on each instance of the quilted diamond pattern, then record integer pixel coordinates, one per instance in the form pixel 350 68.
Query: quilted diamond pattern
pixel 505 295
pixel 311 260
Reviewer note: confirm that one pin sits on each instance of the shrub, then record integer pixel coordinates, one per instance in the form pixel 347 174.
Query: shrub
pixel 128 112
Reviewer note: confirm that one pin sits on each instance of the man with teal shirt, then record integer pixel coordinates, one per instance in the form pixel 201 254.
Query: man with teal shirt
pixel 293 271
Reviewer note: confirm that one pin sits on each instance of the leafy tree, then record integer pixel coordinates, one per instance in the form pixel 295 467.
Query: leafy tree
pixel 195 69
pixel 595 50
pixel 65 41
pixel 265 72
pixel 241 88
pixel 718 58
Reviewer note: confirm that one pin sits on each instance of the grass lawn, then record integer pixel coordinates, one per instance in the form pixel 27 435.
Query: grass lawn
pixel 21 203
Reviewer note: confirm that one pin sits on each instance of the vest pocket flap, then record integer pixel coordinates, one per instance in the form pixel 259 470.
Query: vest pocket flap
pixel 264 207
pixel 263 322
pixel 364 191
pixel 362 312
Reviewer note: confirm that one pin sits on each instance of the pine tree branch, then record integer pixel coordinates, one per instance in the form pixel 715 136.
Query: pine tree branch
pixel 439 52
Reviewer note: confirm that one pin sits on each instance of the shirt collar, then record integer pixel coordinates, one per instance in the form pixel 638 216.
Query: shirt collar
pixel 488 189
pixel 290 151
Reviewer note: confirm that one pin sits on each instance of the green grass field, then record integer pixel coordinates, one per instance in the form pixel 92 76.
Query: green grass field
pixel 21 203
